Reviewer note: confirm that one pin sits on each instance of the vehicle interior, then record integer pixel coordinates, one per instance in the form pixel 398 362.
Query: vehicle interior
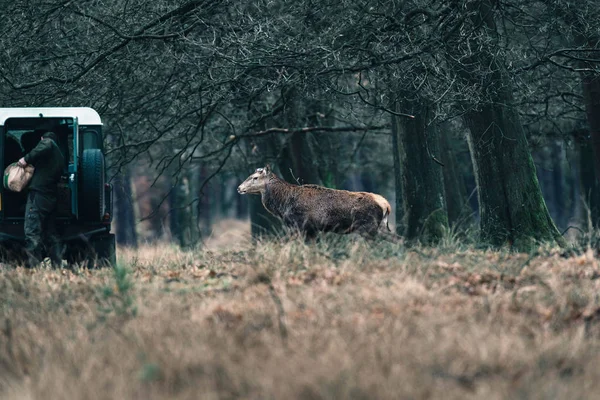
pixel 21 136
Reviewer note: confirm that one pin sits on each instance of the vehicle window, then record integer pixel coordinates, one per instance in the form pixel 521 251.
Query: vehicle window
pixel 23 134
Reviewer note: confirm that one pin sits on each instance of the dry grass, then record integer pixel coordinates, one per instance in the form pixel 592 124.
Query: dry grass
pixel 283 320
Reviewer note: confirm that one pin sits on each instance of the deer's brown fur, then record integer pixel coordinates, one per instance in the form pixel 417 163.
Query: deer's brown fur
pixel 313 208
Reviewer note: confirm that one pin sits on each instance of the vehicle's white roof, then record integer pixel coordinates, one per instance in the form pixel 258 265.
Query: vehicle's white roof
pixel 85 115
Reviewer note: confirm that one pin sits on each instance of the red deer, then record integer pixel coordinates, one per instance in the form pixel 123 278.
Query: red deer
pixel 312 208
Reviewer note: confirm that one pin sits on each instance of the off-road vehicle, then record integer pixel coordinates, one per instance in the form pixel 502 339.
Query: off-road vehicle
pixel 84 211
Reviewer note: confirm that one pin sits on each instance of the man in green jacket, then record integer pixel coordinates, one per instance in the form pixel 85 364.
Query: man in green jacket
pixel 40 212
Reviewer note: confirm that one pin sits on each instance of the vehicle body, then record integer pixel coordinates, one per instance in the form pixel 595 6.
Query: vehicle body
pixel 84 209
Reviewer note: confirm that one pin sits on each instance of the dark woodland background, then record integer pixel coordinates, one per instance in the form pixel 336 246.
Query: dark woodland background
pixel 469 116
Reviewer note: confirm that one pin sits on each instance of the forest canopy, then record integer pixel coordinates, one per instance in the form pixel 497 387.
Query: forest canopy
pixel 371 95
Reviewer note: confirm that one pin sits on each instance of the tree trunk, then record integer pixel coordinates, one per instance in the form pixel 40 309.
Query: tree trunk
pixel 586 37
pixel 591 95
pixel 512 209
pixel 325 145
pixel 559 186
pixel 297 163
pixel 184 205
pixel 459 211
pixel 422 189
pixel 575 211
pixel 542 160
pixel 574 179
pixel 328 146
pixel 400 223
pixel 182 212
pixel 176 221
pixel 590 188
pixel 367 178
pixel 126 234
pixel 211 208
pixel 228 195
pixel 195 199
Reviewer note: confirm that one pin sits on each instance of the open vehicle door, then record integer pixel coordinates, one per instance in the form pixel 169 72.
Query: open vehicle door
pixel 73 170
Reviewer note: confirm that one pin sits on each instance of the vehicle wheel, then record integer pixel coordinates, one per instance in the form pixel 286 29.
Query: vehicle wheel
pixel 79 254
pixel 106 250
pixel 98 252
pixel 91 186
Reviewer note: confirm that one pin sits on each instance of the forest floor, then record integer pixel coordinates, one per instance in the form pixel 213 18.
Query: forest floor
pixel 341 319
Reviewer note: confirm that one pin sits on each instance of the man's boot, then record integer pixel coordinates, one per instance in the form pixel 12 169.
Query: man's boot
pixel 31 259
pixel 55 252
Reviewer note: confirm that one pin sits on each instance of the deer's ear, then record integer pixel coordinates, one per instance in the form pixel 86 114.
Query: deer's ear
pixel 267 169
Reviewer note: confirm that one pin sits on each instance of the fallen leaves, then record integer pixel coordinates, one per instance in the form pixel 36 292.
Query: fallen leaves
pixel 454 267
pixel 204 274
pixel 173 274
pixel 328 276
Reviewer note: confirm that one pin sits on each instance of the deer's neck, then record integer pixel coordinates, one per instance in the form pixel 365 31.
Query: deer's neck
pixel 275 196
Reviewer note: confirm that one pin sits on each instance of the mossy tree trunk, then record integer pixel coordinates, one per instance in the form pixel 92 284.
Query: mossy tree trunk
pixel 512 209
pixel 422 185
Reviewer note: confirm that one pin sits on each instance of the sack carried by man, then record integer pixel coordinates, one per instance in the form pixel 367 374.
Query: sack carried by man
pixel 16 178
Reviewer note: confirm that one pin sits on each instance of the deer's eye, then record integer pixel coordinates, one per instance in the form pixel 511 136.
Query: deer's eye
pixel 255 178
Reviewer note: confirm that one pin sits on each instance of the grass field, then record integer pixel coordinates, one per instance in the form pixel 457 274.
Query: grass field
pixel 341 319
